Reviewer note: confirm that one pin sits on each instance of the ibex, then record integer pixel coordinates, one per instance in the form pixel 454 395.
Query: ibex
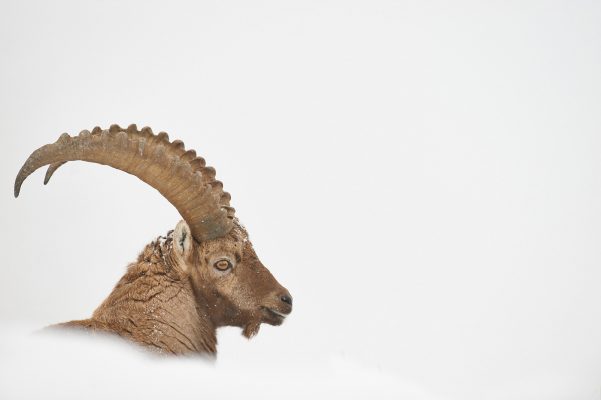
pixel 202 275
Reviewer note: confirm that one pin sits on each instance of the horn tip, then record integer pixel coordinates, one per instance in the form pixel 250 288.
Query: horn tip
pixel 17 188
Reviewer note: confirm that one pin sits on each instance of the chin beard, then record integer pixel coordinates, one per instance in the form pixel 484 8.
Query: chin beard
pixel 251 329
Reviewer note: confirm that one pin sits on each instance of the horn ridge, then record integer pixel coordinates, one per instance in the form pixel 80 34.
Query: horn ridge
pixel 179 175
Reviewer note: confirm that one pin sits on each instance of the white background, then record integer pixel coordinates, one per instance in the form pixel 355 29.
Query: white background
pixel 423 176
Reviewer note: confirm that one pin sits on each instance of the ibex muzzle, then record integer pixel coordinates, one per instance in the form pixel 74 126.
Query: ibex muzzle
pixel 202 275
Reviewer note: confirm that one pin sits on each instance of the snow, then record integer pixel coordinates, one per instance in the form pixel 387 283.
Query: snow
pixel 75 366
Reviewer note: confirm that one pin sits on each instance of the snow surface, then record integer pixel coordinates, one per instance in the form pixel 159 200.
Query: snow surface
pixel 72 365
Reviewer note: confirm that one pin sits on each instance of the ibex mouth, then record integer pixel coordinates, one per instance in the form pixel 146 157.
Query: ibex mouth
pixel 277 313
pixel 274 317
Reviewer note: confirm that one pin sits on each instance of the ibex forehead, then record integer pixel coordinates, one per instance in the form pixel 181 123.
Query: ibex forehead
pixel 233 242
pixel 239 231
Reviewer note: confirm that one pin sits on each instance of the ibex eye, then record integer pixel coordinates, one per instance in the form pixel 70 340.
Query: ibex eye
pixel 223 265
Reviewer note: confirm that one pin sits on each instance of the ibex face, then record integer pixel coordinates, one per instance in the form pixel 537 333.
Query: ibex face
pixel 226 274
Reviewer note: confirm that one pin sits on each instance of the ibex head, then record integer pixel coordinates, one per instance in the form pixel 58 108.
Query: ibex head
pixel 227 274
pixel 209 249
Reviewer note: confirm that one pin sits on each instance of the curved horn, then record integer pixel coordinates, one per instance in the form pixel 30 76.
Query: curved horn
pixel 51 169
pixel 180 176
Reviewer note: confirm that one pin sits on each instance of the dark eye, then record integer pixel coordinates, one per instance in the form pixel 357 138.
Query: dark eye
pixel 223 265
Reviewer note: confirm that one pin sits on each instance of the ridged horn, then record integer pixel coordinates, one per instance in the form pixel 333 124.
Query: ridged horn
pixel 180 176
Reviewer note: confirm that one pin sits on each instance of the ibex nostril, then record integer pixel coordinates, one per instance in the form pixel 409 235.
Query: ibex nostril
pixel 286 299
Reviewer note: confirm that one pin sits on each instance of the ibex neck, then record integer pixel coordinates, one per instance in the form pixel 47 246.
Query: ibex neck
pixel 154 305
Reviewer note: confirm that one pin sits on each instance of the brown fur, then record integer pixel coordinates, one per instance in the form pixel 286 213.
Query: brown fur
pixel 173 299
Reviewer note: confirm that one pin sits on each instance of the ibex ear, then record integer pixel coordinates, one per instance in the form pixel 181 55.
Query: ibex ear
pixel 182 243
